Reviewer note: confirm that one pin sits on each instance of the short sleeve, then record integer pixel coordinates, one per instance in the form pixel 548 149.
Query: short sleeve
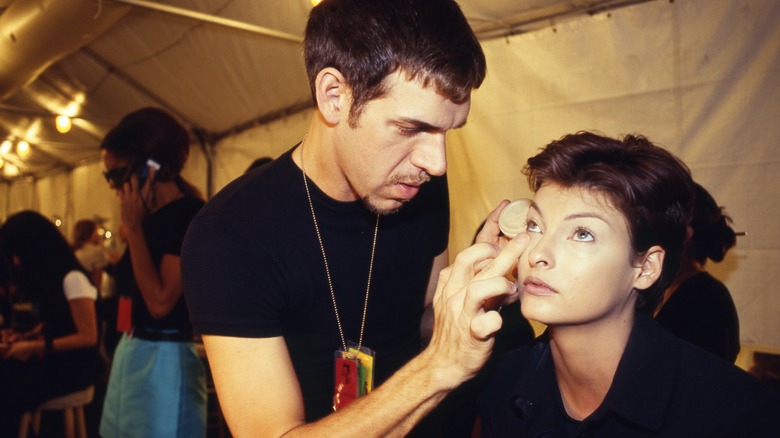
pixel 77 285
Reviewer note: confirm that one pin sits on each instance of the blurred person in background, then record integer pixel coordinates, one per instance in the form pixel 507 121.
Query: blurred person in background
pixel 697 307
pixel 88 247
pixel 59 355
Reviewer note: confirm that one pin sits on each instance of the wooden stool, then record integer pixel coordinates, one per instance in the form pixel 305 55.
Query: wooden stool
pixel 72 406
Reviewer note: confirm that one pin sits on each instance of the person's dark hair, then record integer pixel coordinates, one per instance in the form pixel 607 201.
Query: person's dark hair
pixel 651 187
pixel 713 236
pixel 367 40
pixel 43 253
pixel 152 133
pixel 83 232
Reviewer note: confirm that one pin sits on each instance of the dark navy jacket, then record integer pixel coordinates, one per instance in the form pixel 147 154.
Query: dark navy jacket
pixel 663 387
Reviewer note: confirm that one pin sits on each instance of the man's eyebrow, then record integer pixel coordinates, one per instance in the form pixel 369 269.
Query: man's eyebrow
pixel 425 126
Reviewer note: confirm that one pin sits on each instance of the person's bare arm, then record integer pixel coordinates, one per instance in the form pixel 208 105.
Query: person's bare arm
pixel 259 392
pixel 256 385
pixel 84 317
pixel 82 310
pixel 160 289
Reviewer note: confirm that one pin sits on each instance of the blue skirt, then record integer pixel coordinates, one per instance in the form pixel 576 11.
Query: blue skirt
pixel 155 389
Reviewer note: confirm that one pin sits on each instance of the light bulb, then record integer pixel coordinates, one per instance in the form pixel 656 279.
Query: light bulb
pixel 5 147
pixel 22 149
pixel 63 124
pixel 10 170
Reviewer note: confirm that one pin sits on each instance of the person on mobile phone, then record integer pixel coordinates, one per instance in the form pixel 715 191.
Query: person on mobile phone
pixel 157 385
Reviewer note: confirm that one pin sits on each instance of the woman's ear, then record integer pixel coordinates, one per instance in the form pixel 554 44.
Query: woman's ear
pixel 332 94
pixel 651 267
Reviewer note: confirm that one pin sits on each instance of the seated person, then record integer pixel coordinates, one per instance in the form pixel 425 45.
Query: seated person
pixel 59 355
pixel 606 227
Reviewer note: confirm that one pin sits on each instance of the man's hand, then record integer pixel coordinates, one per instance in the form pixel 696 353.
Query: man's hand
pixel 490 232
pixel 463 327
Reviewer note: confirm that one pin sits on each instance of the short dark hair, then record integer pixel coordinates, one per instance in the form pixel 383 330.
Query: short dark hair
pixel 150 133
pixel 651 187
pixel 367 40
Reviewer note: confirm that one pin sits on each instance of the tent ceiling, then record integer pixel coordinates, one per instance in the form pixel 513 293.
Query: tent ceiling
pixel 210 62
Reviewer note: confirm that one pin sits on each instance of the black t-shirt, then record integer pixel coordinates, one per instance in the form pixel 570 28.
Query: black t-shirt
pixel 252 267
pixel 164 231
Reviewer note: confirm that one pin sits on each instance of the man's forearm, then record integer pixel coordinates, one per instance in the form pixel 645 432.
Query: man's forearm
pixel 392 409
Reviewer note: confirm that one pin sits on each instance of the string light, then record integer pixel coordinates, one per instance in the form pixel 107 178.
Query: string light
pixel 10 170
pixel 23 149
pixel 5 147
pixel 63 124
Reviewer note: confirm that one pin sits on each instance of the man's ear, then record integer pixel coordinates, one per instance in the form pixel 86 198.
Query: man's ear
pixel 650 268
pixel 332 95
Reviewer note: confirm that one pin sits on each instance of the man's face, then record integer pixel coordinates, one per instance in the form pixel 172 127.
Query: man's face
pixel 578 267
pixel 397 144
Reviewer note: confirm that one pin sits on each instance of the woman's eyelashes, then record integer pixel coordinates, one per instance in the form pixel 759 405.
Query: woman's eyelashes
pixel 582 234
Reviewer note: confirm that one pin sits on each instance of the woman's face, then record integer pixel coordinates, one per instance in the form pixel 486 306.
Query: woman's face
pixel 578 266
pixel 117 169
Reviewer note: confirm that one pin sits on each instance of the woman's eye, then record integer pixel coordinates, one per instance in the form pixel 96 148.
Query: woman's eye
pixel 583 235
pixel 532 227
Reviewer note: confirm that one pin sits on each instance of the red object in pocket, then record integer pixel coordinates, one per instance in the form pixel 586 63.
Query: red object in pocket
pixel 124 316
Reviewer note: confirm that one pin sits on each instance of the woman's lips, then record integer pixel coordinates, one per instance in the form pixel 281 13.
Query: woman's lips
pixel 535 286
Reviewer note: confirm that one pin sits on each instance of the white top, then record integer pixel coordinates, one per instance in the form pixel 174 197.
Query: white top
pixel 77 285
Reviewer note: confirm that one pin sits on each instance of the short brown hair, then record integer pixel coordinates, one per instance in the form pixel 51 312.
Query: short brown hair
pixel 651 187
pixel 367 40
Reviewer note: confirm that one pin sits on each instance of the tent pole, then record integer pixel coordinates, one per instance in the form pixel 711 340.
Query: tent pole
pixel 235 24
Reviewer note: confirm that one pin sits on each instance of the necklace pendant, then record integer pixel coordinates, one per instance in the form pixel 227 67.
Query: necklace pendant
pixel 353 374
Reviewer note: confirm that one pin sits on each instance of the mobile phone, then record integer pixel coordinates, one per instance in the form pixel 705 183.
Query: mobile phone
pixel 143 175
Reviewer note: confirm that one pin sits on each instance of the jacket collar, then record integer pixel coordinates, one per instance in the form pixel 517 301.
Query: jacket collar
pixel 640 392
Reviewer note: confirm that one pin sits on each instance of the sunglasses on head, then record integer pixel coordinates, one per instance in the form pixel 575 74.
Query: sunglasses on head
pixel 117 175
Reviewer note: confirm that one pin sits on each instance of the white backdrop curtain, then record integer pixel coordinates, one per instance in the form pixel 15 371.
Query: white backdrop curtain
pixel 698 77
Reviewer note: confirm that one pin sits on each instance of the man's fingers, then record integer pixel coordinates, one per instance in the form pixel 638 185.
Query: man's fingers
pixel 489 290
pixel 490 230
pixel 486 325
pixel 465 266
pixel 506 259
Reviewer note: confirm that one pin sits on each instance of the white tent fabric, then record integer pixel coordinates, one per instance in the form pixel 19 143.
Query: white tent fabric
pixel 696 76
